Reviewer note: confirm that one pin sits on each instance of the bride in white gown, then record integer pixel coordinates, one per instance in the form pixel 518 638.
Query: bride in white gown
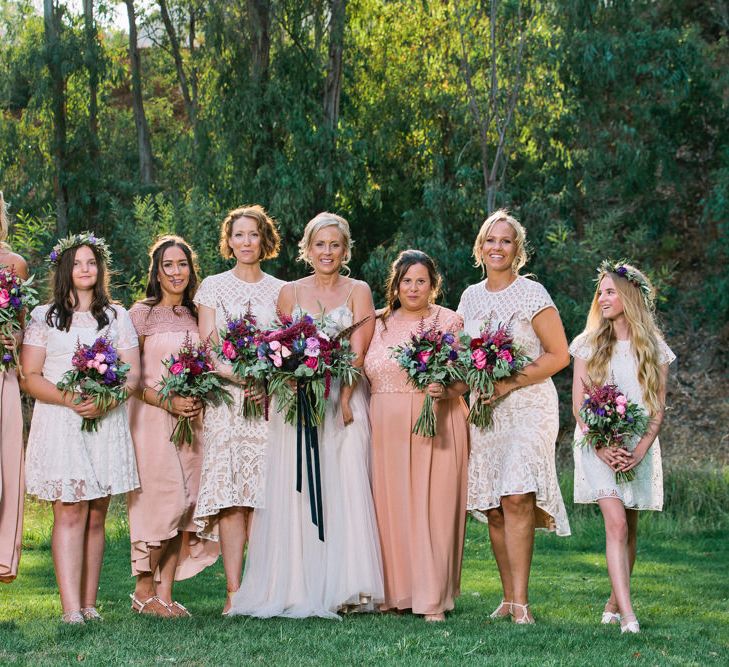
pixel 289 571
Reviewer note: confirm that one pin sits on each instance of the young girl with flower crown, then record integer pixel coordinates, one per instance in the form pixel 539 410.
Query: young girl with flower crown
pixel 621 345
pixel 75 470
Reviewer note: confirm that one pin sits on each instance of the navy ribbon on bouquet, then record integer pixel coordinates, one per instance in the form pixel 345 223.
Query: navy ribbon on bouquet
pixel 309 444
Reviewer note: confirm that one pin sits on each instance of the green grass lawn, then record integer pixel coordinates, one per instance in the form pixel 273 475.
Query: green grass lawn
pixel 681 594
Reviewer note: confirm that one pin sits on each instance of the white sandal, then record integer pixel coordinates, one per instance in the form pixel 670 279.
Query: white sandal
pixel 73 618
pixel 609 617
pixel 495 613
pixel 524 619
pixel 630 626
pixel 91 614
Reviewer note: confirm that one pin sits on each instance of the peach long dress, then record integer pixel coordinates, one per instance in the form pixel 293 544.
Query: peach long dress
pixel 12 484
pixel 419 484
pixel 169 475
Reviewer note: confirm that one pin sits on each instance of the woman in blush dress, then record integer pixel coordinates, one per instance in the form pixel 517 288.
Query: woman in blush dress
pixel 233 468
pixel 512 476
pixel 289 570
pixel 623 345
pixel 12 486
pixel 419 483
pixel 77 471
pixel 165 546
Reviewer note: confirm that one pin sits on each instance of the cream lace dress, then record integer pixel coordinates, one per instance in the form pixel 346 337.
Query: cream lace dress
pixel 62 462
pixel 595 479
pixel 515 455
pixel 233 465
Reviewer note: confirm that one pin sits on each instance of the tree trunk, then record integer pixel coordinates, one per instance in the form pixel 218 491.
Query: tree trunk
pixel 179 66
pixel 91 59
pixel 333 86
pixel 51 17
pixel 144 143
pixel 259 12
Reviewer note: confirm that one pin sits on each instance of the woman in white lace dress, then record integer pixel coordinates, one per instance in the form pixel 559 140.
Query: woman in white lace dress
pixel 77 471
pixel 621 344
pixel 289 570
pixel 512 477
pixel 232 476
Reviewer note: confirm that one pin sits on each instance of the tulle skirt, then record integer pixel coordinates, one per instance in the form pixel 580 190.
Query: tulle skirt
pixel 289 571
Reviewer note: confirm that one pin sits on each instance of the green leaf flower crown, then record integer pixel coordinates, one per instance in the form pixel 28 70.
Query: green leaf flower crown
pixel 624 270
pixel 76 240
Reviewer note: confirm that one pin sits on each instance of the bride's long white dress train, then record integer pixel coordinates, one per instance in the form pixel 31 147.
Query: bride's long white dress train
pixel 289 571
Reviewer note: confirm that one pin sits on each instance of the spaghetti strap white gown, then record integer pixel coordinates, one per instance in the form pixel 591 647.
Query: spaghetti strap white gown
pixel 289 571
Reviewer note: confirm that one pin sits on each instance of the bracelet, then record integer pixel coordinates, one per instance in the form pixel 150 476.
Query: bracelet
pixel 144 391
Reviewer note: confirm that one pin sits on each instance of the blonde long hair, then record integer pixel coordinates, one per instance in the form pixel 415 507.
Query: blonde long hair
pixel 3 223
pixel 644 336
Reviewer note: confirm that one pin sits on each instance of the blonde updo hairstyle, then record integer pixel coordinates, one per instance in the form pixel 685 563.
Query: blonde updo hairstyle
pixel 3 222
pixel 502 215
pixel 644 336
pixel 316 224
pixel 270 238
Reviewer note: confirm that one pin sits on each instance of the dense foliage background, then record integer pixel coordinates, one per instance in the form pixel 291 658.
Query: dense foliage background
pixel 602 125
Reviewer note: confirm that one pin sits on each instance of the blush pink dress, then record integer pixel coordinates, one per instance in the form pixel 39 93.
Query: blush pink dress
pixel 169 475
pixel 419 484
pixel 12 485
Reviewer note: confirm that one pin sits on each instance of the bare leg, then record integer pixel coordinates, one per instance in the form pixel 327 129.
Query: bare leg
pixel 67 546
pixel 616 552
pixel 233 527
pixel 498 546
pixel 519 521
pixel 167 568
pixel 632 519
pixel 146 587
pixel 94 542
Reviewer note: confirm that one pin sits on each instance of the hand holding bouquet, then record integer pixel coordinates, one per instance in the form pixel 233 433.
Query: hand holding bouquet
pixel 429 356
pixel 489 357
pixel 240 341
pixel 611 419
pixel 16 295
pixel 98 374
pixel 192 374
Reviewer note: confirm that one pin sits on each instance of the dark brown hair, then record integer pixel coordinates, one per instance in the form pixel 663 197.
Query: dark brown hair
pixel 270 238
pixel 60 314
pixel 156 256
pixel 399 268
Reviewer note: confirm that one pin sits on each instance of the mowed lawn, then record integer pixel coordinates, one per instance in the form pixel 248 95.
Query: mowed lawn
pixel 681 594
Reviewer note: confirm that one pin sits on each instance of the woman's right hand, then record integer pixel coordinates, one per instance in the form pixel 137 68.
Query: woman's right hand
pixel 183 406
pixel 614 457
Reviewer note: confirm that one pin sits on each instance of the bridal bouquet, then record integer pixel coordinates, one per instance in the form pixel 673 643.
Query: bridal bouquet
pixel 240 341
pixel 16 295
pixel 429 356
pixel 611 419
pixel 302 361
pixel 96 373
pixel 489 357
pixel 192 374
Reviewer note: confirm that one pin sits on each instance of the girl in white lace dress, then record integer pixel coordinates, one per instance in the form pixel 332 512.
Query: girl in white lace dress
pixel 77 471
pixel 512 477
pixel 621 344
pixel 289 571
pixel 232 476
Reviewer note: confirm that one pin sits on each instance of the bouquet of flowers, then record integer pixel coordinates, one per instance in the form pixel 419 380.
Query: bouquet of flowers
pixel 96 373
pixel 611 419
pixel 489 357
pixel 16 295
pixel 192 373
pixel 300 353
pixel 429 356
pixel 240 341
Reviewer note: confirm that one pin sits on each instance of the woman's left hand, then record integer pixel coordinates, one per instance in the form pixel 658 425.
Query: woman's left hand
pixel 501 389
pixel 436 390
pixel 637 456
pixel 347 414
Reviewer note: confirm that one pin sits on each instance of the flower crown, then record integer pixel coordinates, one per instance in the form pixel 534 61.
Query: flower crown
pixel 635 278
pixel 76 240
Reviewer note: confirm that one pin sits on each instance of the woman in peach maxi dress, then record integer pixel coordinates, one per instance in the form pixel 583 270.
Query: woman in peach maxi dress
pixel 165 546
pixel 12 485
pixel 419 484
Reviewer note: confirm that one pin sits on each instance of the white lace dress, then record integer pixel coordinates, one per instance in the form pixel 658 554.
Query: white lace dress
pixel 234 448
pixel 62 462
pixel 289 571
pixel 595 479
pixel 516 454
